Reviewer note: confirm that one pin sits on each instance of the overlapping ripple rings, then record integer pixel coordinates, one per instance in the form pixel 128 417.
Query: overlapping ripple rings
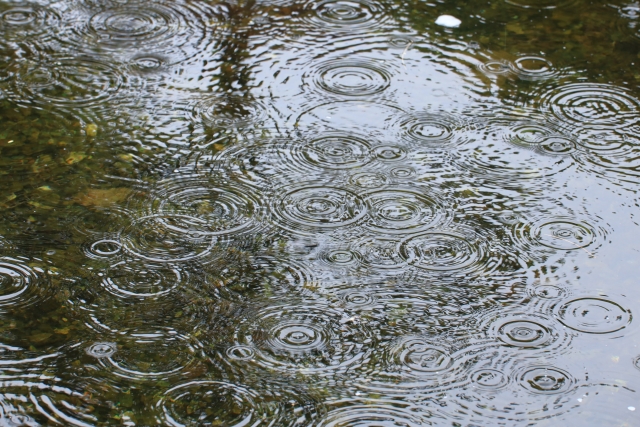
pixel 306 339
pixel 177 29
pixel 558 233
pixel 375 413
pixel 199 402
pixel 314 207
pixel 591 105
pixel 529 332
pixel 501 152
pixel 70 82
pixel 433 129
pixel 400 210
pixel 345 15
pixel 213 209
pixel 352 77
pixel 21 284
pixel 443 251
pixel 334 151
pixel 150 354
pixel 137 281
pixel 168 238
pixel 28 21
pixel 230 112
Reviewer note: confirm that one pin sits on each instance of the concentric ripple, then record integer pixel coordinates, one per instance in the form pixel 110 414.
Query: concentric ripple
pixel 230 112
pixel 561 233
pixel 369 180
pixel 432 129
pixel 380 253
pixel 534 68
pixel 69 82
pixel 345 14
pixel 341 258
pixel 400 211
pixel 592 105
pixel 212 403
pixel 140 281
pixel 215 209
pixel 556 145
pixel 417 357
pixel 104 248
pixel 101 349
pixel 307 339
pixel 373 414
pixel 504 151
pixel 546 380
pixel 335 151
pixel 21 284
pixel 167 238
pixel 219 403
pixel 151 354
pixel 490 379
pixel 347 77
pixel 31 22
pixel 594 315
pixel 525 331
pixel 443 251
pixel 498 68
pixel 318 207
pixel 177 29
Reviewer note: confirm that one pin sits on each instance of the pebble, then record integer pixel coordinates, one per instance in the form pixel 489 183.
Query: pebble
pixel 448 21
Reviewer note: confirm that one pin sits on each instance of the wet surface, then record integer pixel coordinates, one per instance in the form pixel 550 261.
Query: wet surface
pixel 323 213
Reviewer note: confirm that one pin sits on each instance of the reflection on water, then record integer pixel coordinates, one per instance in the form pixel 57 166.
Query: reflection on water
pixel 319 213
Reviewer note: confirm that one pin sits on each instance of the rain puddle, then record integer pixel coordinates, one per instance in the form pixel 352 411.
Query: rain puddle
pixel 319 213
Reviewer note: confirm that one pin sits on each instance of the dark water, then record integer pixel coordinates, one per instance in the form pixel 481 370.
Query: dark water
pixel 322 213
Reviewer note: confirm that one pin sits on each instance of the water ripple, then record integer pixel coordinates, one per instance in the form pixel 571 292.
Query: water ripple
pixel 22 282
pixel 331 150
pixel 30 22
pixel 347 15
pixel 69 83
pixel 236 405
pixel 216 205
pixel 529 332
pixel 150 354
pixel 593 315
pixel 307 338
pixel 558 233
pixel 534 68
pixel 230 112
pixel 177 29
pixel 312 207
pixel 199 402
pixel 168 238
pixel 351 77
pixel 433 129
pixel 401 210
pixel 592 105
pixel 546 380
pixel 375 413
pixel 501 151
pixel 135 280
pixel 444 251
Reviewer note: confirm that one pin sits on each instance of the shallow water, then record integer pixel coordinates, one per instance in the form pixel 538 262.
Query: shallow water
pixel 323 213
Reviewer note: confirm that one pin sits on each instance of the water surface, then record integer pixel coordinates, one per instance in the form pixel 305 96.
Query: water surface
pixel 322 213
